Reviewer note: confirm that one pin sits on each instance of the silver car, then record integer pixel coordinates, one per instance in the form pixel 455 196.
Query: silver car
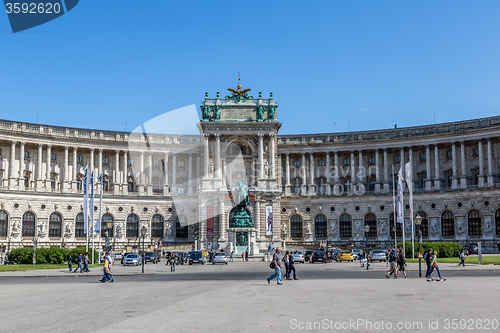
pixel 377 255
pixel 132 259
pixel 219 258
pixel 298 257
pixel 355 253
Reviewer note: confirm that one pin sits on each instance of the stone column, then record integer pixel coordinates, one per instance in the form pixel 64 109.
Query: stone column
pixel 402 159
pixel 141 173
pixel 261 156
pixel 218 168
pixel 303 187
pixel 190 174
pixel 92 168
pixel 480 178
pixel 428 182
pixel 125 173
pixel 66 171
pixel 328 188
pixel 272 166
pixel 174 169
pixel 312 185
pixel 48 168
pixel 116 180
pixel 206 156
pixel 257 220
pixel 150 173
pixel 21 168
pixel 463 179
pixel 198 171
pixel 100 171
pixel 336 161
pixel 165 183
pixel 437 176
pixel 12 169
pixel 254 172
pixel 287 174
pixel 377 171
pixel 386 171
pixel 361 170
pixel 222 222
pixel 490 163
pixel 39 168
pixel 454 180
pixel 353 168
pixel 74 187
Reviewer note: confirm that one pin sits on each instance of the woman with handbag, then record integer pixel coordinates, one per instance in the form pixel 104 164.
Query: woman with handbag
pixel 434 265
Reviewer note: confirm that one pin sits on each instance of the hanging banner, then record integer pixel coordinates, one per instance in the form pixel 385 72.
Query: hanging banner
pixel 91 201
pixel 269 220
pixel 210 220
pixel 85 199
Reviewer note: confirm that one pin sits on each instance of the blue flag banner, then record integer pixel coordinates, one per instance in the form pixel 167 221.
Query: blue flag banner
pixel 97 227
pixel 85 198
pixel 91 203
pixel 399 198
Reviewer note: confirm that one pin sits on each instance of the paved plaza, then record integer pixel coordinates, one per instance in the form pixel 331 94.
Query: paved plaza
pixel 236 298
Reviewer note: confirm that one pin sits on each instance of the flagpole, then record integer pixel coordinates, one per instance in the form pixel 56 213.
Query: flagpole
pixel 85 208
pixel 409 180
pixel 91 207
pixel 99 218
pixel 394 204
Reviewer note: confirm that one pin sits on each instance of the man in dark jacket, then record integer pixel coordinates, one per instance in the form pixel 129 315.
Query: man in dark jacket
pixel 392 263
pixel 291 266
pixel 79 262
pixel 428 260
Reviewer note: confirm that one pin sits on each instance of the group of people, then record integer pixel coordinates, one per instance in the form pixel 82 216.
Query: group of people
pixel 430 259
pixel 82 262
pixel 276 265
pixel 397 261
pixel 106 269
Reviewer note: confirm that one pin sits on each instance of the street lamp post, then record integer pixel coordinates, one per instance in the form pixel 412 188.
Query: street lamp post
pixel 357 240
pixel 367 229
pixel 196 240
pixel 418 222
pixel 143 234
pixel 394 229
pixel 283 236
pixel 109 227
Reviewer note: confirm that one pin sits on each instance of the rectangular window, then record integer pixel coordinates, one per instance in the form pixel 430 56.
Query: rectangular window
pixel 296 163
pixel 449 155
pixel 371 160
pixel 156 163
pixel 105 185
pixel 79 185
pixel 156 188
pixel 130 162
pixel 53 183
pixel 180 163
pixel 347 161
pixel 26 154
pixel 53 157
pixel 105 160
pixel 321 162
pixel 423 157
pixel 397 158
pixel 79 159
pixel 131 186
pixel 476 152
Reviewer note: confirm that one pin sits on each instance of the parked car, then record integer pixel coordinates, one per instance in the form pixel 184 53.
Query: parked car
pixel 308 254
pixel 473 249
pixel 345 255
pixel 101 258
pixel 6 260
pixel 318 256
pixel 379 255
pixel 334 254
pixel 132 259
pixel 298 257
pixel 355 253
pixel 196 257
pixel 124 255
pixel 150 256
pixel 117 256
pixel 219 258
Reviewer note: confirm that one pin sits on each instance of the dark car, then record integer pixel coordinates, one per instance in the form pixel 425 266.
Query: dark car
pixel 196 257
pixel 307 255
pixel 150 256
pixel 473 249
pixel 318 256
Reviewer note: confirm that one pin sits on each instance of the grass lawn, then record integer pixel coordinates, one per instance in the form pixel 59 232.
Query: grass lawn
pixel 468 260
pixel 23 267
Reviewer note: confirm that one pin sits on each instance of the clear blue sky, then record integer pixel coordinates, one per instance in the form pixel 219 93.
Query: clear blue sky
pixel 370 64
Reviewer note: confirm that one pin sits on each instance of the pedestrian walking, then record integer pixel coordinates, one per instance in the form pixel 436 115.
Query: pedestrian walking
pixel 246 255
pixel 70 259
pixel 276 264
pixel 172 262
pixel 291 263
pixel 461 256
pixel 86 262
pixel 268 255
pixel 286 260
pixel 80 263
pixel 231 257
pixel 106 275
pixel 401 263
pixel 392 263
pixel 428 260
pixel 434 265
pixel 387 257
pixel 243 256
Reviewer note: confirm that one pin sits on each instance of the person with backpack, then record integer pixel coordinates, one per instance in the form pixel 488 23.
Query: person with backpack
pixel 401 264
pixel 172 262
pixel 276 265
pixel 106 275
pixel 462 258
pixel 428 259
pixel 392 263
pixel 80 263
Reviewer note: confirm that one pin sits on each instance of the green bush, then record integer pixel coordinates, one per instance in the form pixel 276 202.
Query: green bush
pixel 444 249
pixel 23 255
pixel 52 255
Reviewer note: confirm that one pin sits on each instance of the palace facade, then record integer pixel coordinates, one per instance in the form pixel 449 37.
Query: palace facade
pixel 303 189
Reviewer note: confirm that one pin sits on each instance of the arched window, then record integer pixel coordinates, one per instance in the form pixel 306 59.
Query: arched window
pixel 79 226
pixel 320 226
pixel 345 223
pixel 28 224
pixel 447 223
pixel 371 221
pixel 474 220
pixel 4 222
pixel 107 218
pixel 399 230
pixel 296 226
pixel 132 226
pixel 55 224
pixel 157 226
pixel 497 221
pixel 424 227
pixel 181 227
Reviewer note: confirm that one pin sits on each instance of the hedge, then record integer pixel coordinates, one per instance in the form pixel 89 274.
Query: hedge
pixel 52 255
pixel 444 249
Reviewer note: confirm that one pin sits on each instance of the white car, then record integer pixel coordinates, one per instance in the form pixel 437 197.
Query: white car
pixel 219 258
pixel 132 259
pixel 298 257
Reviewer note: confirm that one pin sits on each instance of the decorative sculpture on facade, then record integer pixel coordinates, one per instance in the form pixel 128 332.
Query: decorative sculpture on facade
pixel 239 94
pixel 260 113
pixel 272 112
pixel 205 112
pixel 169 229
pixel 241 217
pixel 217 112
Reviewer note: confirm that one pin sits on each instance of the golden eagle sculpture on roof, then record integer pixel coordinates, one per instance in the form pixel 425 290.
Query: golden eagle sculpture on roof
pixel 238 93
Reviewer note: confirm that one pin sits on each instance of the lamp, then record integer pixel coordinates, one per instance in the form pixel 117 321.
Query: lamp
pixel 143 234
pixel 418 222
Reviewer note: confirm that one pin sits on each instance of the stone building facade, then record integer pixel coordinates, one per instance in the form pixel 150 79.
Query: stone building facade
pixel 316 187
